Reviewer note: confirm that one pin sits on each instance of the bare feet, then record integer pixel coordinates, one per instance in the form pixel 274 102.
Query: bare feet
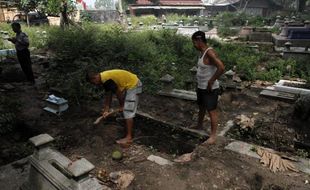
pixel 124 141
pixel 211 140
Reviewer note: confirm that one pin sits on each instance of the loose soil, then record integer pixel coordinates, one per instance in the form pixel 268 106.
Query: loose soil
pixel 212 167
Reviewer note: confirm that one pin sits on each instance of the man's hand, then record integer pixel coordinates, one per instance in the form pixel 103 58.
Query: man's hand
pixel 105 113
pixel 121 109
pixel 210 84
pixel 13 40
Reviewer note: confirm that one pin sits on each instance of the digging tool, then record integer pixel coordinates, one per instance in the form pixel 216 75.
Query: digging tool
pixel 99 119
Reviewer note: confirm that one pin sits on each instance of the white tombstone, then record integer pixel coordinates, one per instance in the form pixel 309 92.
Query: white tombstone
pixel 56 104
pixel 50 170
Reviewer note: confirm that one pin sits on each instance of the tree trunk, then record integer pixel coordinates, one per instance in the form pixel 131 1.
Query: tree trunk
pixel 121 12
pixel 301 4
pixel 64 21
pixel 27 19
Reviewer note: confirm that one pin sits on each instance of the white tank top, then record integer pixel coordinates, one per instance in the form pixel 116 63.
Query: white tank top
pixel 205 72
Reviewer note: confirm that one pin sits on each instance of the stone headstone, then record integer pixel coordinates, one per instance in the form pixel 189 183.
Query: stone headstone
pixel 167 82
pixel 56 104
pixel 53 171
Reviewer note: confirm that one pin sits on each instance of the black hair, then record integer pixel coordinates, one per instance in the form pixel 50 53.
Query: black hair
pixel 89 76
pixel 199 35
pixel 110 86
pixel 16 24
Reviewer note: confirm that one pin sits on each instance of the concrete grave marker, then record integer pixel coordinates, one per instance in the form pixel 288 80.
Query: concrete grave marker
pixel 56 104
pixel 187 30
pixel 50 170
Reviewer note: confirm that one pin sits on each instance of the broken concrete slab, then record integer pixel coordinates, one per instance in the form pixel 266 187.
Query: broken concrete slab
pixel 242 148
pixel 159 160
pixel 228 125
pixel 248 149
pixel 271 92
pixel 282 87
pixel 177 93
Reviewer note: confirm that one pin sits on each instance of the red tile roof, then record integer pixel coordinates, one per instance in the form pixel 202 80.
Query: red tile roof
pixel 143 2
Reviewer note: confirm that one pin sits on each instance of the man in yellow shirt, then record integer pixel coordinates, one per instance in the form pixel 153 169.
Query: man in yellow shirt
pixel 126 86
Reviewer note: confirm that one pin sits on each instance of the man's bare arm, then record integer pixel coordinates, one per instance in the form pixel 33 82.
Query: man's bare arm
pixel 107 102
pixel 219 65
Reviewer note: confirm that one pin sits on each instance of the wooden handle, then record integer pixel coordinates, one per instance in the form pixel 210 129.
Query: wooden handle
pixel 98 120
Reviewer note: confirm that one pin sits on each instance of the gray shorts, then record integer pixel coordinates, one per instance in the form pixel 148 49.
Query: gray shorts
pixel 131 101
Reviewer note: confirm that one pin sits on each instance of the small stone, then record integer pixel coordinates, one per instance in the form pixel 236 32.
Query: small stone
pixel 230 73
pixel 215 186
pixel 236 78
pixel 290 130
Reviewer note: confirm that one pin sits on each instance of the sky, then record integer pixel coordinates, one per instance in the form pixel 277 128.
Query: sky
pixel 90 2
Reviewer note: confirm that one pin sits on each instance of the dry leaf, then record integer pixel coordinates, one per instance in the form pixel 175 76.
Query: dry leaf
pixel 244 121
pixel 275 162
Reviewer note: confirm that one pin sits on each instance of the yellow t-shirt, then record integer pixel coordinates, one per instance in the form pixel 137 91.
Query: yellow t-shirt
pixel 123 79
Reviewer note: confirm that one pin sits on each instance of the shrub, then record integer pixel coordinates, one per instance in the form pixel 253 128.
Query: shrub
pixel 227 31
pixel 302 107
pixel 228 19
pixel 8 110
pixel 147 20
pixel 283 66
pixel 246 67
pixel 149 54
pixel 271 75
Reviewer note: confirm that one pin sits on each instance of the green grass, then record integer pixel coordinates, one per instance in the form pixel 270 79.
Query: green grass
pixel 36 35
pixel 149 54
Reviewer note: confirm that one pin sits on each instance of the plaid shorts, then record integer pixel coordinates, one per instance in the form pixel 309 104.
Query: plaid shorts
pixel 131 101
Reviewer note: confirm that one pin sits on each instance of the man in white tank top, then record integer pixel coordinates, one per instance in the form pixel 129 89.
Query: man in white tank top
pixel 210 68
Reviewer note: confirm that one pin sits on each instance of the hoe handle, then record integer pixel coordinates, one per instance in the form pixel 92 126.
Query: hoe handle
pixel 99 119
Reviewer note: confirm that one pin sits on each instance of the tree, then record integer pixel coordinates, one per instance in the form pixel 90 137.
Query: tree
pixel 50 7
pixel 27 6
pixel 298 5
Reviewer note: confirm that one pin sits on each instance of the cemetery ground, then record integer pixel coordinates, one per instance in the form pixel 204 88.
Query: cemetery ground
pixel 212 167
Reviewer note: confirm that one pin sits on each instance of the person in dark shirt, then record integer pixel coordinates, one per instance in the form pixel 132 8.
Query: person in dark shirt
pixel 21 42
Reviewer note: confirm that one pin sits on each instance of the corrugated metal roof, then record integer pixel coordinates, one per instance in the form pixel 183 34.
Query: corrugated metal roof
pixel 166 7
pixel 175 2
pixel 219 2
pixel 170 2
